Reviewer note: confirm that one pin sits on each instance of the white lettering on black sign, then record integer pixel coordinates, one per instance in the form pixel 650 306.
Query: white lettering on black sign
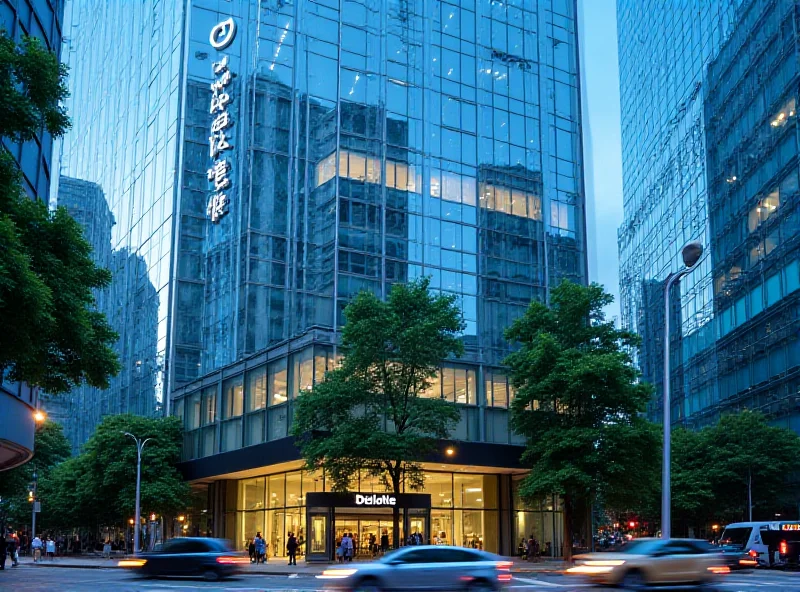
pixel 375 500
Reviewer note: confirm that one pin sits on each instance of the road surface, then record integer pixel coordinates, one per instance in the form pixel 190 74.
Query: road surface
pixel 54 579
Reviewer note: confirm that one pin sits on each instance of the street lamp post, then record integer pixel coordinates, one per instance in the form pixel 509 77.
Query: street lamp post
pixel 691 253
pixel 139 447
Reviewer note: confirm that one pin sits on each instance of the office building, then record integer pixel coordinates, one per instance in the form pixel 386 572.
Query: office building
pixel 696 95
pixel 269 160
pixel 18 401
pixel 753 196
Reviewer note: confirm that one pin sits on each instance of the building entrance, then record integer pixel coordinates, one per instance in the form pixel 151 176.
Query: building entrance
pixel 368 518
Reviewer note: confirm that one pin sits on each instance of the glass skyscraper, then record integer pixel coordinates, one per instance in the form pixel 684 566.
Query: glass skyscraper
pixel 698 98
pixel 266 160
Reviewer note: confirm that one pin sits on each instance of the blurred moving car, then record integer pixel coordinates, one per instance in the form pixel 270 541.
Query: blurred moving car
pixel 646 562
pixel 212 559
pixel 427 567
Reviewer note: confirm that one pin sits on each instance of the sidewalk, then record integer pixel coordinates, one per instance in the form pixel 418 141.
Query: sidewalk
pixel 276 567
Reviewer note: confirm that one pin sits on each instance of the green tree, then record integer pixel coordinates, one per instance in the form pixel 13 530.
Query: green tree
pixel 692 492
pixel 577 403
pixel 50 333
pixel 51 448
pixel 99 486
pixel 748 458
pixel 371 413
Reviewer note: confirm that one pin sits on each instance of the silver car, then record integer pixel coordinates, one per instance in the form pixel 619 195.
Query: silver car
pixel 434 567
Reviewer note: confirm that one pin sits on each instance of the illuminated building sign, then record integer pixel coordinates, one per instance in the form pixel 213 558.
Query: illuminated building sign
pixel 219 142
pixel 793 526
pixel 375 500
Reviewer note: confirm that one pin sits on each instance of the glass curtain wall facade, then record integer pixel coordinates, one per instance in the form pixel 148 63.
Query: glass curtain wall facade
pixel 266 160
pixel 120 158
pixel 465 510
pixel 373 144
pixel 753 192
pixel 664 49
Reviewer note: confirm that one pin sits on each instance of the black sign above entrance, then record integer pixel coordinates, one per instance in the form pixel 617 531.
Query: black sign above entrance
pixel 368 500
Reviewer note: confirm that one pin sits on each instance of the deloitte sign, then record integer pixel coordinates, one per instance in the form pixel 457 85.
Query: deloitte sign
pixel 375 500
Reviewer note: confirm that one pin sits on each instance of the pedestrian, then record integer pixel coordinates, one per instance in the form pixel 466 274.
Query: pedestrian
pixel 291 548
pixel 251 550
pixel 36 547
pixel 384 542
pixel 107 549
pixel 12 542
pixel 261 548
pixel 3 550
pixel 50 548
pixel 373 546
pixel 347 545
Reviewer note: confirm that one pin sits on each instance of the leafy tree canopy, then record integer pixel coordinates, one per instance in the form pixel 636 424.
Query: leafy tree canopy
pixel 578 401
pixel 99 486
pixel 371 412
pixel 50 333
pixel 742 449
pixel 50 449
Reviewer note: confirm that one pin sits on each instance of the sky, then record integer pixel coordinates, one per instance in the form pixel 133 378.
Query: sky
pixel 602 146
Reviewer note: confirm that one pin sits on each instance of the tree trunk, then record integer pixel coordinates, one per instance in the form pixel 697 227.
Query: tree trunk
pixel 395 513
pixel 567 514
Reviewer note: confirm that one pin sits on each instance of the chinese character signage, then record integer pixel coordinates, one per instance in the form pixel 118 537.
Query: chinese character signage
pixel 219 142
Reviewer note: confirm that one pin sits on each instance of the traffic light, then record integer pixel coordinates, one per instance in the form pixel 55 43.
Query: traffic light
pixel 30 496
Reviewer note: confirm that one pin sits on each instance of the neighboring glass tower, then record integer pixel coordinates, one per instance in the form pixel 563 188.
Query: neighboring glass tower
pixel 664 49
pixel 754 200
pixel 266 160
pixel 710 150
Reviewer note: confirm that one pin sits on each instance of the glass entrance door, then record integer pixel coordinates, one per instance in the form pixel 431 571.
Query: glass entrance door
pixel 317 544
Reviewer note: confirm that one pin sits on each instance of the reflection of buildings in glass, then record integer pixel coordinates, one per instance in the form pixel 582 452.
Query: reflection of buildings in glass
pixel 131 306
pixel 753 189
pixel 718 164
pixel 356 165
pixel 664 179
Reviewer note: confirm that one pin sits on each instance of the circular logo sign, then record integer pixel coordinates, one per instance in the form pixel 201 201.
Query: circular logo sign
pixel 222 34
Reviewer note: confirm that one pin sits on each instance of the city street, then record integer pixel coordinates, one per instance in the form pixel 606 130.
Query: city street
pixel 45 579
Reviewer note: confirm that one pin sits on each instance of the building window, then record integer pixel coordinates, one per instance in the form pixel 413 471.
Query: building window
pixel 278 382
pixel 209 405
pixel 257 389
pixel 233 397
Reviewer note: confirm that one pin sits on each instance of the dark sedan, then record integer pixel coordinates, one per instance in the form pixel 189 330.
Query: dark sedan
pixel 212 559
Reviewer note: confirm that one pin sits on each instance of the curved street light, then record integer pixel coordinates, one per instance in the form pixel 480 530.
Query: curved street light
pixel 690 253
pixel 139 447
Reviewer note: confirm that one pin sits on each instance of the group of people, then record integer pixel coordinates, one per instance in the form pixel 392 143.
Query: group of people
pixel 345 548
pixel 43 548
pixel 531 550
pixel 10 547
pixel 257 548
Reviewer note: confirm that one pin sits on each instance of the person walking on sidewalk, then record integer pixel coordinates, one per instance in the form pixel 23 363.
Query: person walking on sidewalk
pixel 50 548
pixel 291 548
pixel 12 542
pixel 36 547
pixel 3 550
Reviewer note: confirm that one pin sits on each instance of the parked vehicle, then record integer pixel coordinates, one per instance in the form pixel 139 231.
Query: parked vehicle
pixel 648 562
pixel 212 559
pixel 742 543
pixel 427 567
pixel 784 547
